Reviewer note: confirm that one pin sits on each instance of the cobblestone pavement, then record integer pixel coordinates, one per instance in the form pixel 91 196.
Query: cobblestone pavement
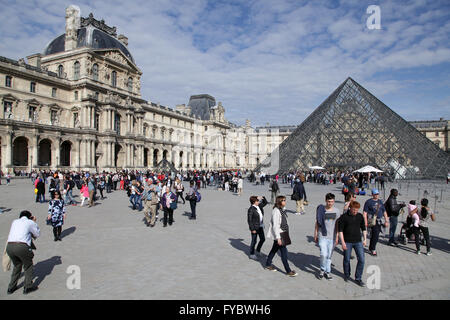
pixel 120 258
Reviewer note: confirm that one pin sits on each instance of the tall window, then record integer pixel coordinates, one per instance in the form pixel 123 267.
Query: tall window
pixel 54 117
pixel 76 95
pixel 75 119
pixel 33 87
pixel 8 81
pixel 60 71
pixel 95 71
pixel 54 92
pixel 76 70
pixel 114 79
pixel 31 113
pixel 117 123
pixel 97 121
pixel 7 109
pixel 130 84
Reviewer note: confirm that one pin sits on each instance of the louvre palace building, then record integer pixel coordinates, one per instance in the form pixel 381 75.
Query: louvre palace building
pixel 78 106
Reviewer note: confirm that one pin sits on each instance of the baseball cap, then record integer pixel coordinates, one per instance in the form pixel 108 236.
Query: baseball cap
pixel 375 191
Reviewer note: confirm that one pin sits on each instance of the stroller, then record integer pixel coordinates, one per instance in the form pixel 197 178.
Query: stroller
pixel 407 235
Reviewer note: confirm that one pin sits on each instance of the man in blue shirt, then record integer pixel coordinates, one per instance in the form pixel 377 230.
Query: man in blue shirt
pixel 374 207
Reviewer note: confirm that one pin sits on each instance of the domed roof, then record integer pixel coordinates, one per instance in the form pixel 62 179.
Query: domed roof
pixel 89 37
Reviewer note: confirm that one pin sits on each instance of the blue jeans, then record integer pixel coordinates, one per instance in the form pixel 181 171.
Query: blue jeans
pixel 132 197
pixel 69 197
pixel 326 251
pixel 283 251
pixel 260 233
pixel 138 202
pixel 392 227
pixel 359 249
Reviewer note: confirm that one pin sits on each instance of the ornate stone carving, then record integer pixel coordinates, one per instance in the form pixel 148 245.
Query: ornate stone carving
pixel 90 20
pixel 116 56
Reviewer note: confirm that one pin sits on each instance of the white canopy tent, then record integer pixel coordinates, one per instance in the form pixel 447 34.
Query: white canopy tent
pixel 367 169
pixel 317 168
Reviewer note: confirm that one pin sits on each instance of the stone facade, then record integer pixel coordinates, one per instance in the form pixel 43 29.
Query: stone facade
pixel 80 108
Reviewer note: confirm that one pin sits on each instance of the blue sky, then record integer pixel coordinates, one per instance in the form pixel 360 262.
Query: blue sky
pixel 267 61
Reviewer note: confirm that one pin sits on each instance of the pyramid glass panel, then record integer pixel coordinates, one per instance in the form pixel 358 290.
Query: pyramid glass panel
pixel 352 129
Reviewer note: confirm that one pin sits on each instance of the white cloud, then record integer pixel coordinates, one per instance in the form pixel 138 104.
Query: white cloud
pixel 260 58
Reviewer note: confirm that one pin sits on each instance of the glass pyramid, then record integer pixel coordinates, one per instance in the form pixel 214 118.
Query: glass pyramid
pixel 352 129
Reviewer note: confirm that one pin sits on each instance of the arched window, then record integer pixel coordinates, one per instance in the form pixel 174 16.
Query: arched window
pixel 60 71
pixel 130 84
pixel 114 79
pixel 76 70
pixel 95 71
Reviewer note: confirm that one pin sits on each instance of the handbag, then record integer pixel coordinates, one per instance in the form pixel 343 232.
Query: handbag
pixel 173 205
pixel 35 190
pixel 6 260
pixel 285 239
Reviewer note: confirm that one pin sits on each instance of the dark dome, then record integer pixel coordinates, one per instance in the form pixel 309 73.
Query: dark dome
pixel 89 37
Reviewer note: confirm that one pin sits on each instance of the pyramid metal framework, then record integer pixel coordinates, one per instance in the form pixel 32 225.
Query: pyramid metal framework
pixel 351 129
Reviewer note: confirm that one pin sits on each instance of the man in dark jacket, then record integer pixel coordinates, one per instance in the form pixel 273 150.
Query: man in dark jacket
pixel 299 195
pixel 393 210
pixel 255 215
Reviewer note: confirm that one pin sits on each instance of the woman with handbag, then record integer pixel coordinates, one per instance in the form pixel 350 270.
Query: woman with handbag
pixel 57 215
pixel 279 232
pixel 168 204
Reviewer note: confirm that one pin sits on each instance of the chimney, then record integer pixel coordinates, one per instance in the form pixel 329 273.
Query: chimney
pixel 35 60
pixel 123 39
pixel 72 26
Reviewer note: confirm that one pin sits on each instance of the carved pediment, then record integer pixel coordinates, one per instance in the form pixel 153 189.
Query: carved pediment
pixel 117 56
pixel 9 97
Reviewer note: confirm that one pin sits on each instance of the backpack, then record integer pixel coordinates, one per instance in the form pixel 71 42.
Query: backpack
pixel 198 196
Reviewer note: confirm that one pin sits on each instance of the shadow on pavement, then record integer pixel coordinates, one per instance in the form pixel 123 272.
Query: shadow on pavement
pixel 67 232
pixel 44 268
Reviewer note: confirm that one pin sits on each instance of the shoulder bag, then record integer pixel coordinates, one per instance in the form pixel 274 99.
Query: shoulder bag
pixel 372 221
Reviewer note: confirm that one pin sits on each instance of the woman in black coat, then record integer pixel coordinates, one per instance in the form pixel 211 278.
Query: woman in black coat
pixel 255 222
pixel 40 195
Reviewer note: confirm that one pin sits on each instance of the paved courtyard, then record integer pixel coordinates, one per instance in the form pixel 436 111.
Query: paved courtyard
pixel 120 258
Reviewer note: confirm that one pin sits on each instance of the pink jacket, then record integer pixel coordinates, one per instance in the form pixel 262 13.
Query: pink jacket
pixel 85 191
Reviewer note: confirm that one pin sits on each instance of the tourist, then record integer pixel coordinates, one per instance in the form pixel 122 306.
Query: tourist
pixel 393 211
pixel 19 249
pixel 299 195
pixel 91 188
pixel 57 215
pixel 255 216
pixel 40 195
pixel 191 196
pixel 349 197
pixel 133 194
pixel 101 187
pixel 279 232
pixel 240 185
pixel 138 196
pixel 350 226
pixel 84 193
pixel 274 190
pixel 168 205
pixel 68 187
pixel 180 189
pixel 413 214
pixel 374 213
pixel 151 201
pixel 325 234
pixel 425 215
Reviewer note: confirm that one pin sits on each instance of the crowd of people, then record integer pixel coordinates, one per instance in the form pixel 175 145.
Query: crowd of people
pixel 153 192
pixel 354 227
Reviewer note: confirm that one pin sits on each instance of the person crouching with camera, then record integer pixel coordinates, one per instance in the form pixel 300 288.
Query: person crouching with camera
pixel 19 249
